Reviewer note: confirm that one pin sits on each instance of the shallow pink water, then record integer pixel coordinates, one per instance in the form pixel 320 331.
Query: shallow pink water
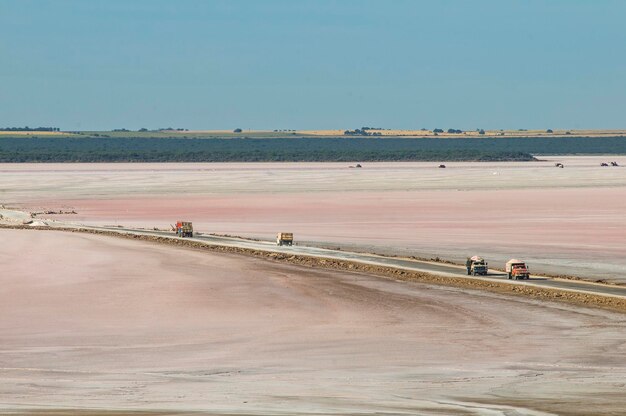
pixel 558 230
pixel 562 221
pixel 107 323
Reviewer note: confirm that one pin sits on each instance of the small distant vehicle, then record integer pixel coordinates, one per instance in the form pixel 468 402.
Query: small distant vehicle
pixel 476 265
pixel 517 269
pixel 559 165
pixel 284 239
pixel 614 164
pixel 442 166
pixel 184 229
pixel 604 164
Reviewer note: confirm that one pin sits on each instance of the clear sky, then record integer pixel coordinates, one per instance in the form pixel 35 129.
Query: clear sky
pixel 274 64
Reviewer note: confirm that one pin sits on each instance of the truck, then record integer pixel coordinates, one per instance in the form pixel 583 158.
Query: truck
pixel 183 229
pixel 517 269
pixel 284 239
pixel 476 265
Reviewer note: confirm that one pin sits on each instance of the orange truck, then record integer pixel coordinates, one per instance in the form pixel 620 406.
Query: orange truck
pixel 517 269
pixel 184 229
pixel 284 239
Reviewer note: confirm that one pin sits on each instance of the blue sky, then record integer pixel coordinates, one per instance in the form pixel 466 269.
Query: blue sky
pixel 277 64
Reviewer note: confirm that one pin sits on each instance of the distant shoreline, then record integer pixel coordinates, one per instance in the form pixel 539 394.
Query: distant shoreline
pixel 321 134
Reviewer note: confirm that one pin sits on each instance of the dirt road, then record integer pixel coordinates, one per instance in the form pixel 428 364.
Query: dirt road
pixel 94 322
pixel 435 268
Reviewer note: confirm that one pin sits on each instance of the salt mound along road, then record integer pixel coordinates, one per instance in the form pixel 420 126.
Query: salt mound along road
pixel 110 323
pixel 38 224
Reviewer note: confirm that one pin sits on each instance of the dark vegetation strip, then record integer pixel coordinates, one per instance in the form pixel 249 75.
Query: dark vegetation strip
pixel 55 149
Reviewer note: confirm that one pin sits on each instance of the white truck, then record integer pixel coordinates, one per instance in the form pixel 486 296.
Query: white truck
pixel 476 265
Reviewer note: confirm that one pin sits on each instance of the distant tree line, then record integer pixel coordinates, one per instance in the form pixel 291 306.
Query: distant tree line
pixel 26 128
pixel 363 131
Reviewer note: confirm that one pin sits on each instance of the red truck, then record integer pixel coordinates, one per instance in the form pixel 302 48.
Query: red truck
pixel 184 229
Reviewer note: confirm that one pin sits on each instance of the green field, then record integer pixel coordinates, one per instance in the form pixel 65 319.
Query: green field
pixel 165 134
pixel 185 134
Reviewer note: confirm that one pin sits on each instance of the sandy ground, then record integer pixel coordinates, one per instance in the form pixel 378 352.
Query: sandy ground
pixel 474 133
pixel 97 322
pixel 562 221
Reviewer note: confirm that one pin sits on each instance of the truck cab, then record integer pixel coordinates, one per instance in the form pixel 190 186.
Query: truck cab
pixel 476 265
